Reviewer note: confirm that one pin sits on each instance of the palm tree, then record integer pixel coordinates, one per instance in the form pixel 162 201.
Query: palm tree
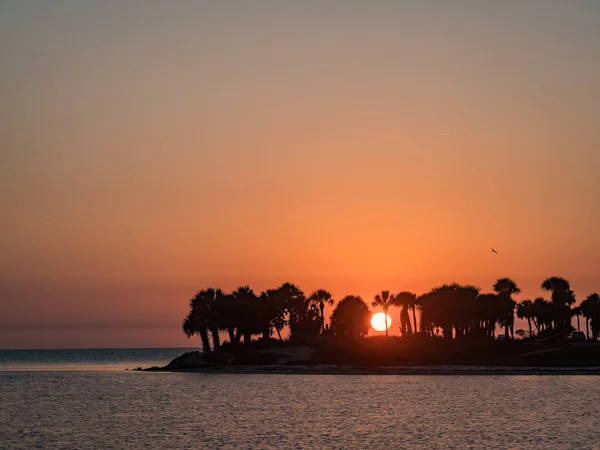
pixel 425 320
pixel 231 317
pixel 465 299
pixel 525 311
pixel 407 300
pixel 292 299
pixel 542 311
pixel 590 308
pixel 351 317
pixel 190 328
pixel 556 285
pixel 272 314
pixel 319 299
pixel 405 324
pixel 451 307
pixel 215 317
pixel 383 300
pixel 577 312
pixel 248 306
pixel 489 312
pixel 436 310
pixel 562 299
pixel 587 321
pixel 506 288
pixel 196 321
pixel 404 319
pixel 594 315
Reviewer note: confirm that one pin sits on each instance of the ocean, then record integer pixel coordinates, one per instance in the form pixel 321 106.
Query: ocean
pixel 86 399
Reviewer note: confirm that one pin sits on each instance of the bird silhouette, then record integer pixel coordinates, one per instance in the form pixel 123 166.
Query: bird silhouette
pixel 494 251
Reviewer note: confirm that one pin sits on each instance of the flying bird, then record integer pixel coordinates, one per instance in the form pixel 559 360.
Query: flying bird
pixel 494 251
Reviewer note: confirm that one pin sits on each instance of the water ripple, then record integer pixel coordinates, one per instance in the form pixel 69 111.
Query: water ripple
pixel 169 410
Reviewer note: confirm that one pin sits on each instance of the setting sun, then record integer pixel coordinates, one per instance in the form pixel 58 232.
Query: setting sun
pixel 378 321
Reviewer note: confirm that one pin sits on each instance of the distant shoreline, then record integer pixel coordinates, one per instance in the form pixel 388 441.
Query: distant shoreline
pixel 392 370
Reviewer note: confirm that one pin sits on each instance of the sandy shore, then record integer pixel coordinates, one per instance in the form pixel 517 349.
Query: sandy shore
pixel 392 370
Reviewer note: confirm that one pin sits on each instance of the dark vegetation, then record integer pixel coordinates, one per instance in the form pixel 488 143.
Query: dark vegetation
pixel 457 325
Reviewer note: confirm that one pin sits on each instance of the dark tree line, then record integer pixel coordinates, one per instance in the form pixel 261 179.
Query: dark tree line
pixel 452 311
pixel 244 314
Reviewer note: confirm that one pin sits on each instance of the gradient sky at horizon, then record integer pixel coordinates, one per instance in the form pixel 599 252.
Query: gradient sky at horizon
pixel 152 148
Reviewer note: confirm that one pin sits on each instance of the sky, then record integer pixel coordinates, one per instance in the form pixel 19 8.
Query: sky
pixel 149 149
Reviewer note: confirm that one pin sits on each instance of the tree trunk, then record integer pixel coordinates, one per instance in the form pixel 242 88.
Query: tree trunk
pixel 216 339
pixel 537 326
pixel 385 320
pixel 401 325
pixel 506 335
pixel 415 319
pixel 247 338
pixel 234 335
pixel 266 334
pixel 322 308
pixel 587 328
pixel 279 334
pixel 205 341
pixel 292 327
pixel 530 329
pixel 578 329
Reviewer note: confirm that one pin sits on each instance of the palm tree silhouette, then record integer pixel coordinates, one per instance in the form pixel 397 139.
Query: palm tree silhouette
pixel 525 311
pixel 215 319
pixel 577 312
pixel 407 300
pixel 453 311
pixel 248 306
pixel 449 307
pixel 543 313
pixel 488 312
pixel 272 314
pixel 292 299
pixel 351 317
pixel 435 311
pixel 584 312
pixel 461 310
pixel 465 300
pixel 505 288
pixel 590 308
pixel 319 299
pixel 383 300
pixel 197 321
pixel 562 299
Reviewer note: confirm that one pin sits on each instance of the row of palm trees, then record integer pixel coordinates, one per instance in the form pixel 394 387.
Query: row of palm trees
pixel 406 301
pixel 541 313
pixel 452 311
pixel 243 314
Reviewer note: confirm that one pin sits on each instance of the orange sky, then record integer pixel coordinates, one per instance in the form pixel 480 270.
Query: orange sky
pixel 150 149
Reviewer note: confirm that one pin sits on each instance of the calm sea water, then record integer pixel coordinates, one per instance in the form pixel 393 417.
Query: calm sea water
pixel 88 359
pixel 100 407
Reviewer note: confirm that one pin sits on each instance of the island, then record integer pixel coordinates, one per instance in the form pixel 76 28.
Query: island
pixel 458 332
